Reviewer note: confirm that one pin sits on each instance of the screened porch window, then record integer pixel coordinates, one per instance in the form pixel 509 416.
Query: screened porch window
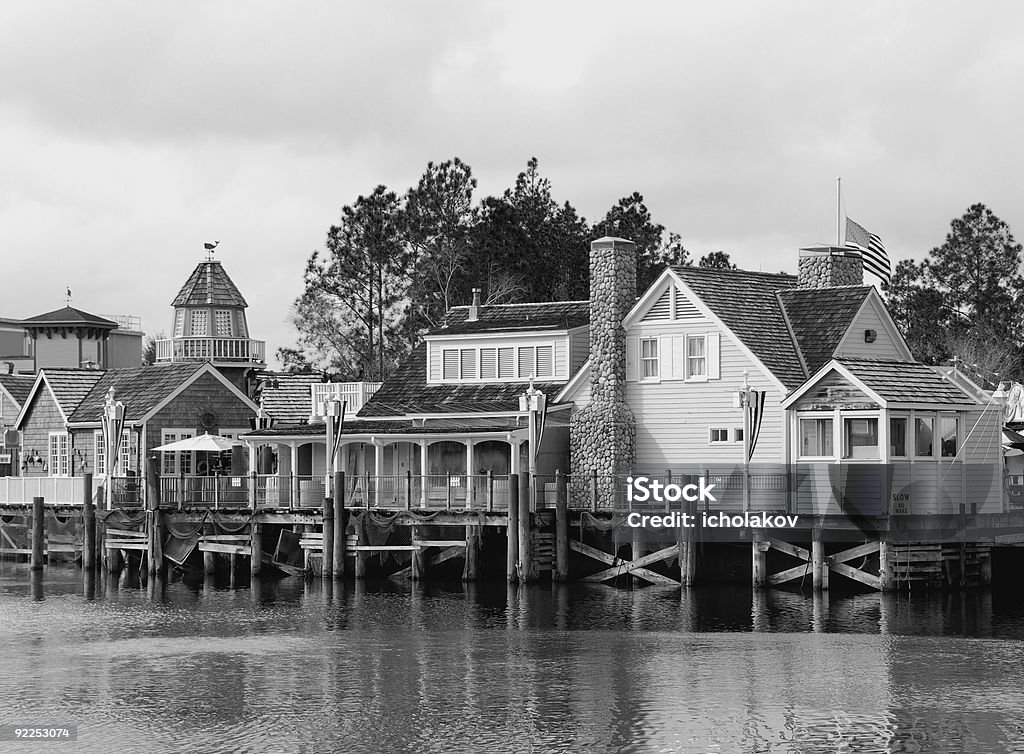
pixel 948 439
pixel 924 433
pixel 898 437
pixel 860 437
pixel 816 438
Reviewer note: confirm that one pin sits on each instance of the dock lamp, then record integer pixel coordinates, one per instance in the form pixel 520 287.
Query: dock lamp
pixel 536 403
pixel 113 424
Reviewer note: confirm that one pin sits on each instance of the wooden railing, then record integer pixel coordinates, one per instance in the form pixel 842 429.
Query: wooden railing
pixel 355 395
pixel 242 350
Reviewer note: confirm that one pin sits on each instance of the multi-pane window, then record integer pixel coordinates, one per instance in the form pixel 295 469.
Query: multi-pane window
pixel 198 322
pixel 60 454
pixel 696 356
pixel 222 323
pixel 737 434
pixel 493 363
pixel 718 435
pixel 860 437
pixel 816 437
pixel 127 453
pixel 175 463
pixel 179 323
pixel 649 357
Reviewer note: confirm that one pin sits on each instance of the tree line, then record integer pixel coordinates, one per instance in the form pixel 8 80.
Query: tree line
pixel 395 263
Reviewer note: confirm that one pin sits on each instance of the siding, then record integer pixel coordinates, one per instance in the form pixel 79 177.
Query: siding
pixel 673 417
pixel 124 349
pixel 885 347
pixel 57 352
pixel 579 350
pixel 42 418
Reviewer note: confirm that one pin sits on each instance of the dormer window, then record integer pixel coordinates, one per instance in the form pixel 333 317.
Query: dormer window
pixel 494 363
pixel 198 322
pixel 488 363
pixel 506 363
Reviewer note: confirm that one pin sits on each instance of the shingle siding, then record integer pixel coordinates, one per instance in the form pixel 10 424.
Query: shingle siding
pixel 207 395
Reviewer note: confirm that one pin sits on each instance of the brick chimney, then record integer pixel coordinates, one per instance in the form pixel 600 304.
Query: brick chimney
pixel 829 267
pixel 603 433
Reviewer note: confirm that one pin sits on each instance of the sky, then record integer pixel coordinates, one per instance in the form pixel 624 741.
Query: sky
pixel 131 133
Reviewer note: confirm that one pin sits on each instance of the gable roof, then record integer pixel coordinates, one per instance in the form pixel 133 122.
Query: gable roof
pixel 69 316
pixel 68 387
pixel 905 382
pixel 820 317
pixel 141 389
pixel 406 392
pixel 17 386
pixel 286 395
pixel 209 285
pixel 552 315
pixel 746 303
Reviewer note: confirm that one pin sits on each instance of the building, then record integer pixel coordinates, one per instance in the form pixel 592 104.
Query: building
pixel 70 338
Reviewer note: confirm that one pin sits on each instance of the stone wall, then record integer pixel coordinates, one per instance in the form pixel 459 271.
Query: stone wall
pixel 829 268
pixel 603 433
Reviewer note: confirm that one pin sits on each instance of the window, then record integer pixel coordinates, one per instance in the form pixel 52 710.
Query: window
pixel 488 363
pixel 696 356
pixel 468 364
pixel 127 453
pixel 737 434
pixel 718 435
pixel 60 455
pixel 526 362
pixel 179 323
pixel 860 438
pixel 506 364
pixel 545 361
pixel 198 322
pixel 816 437
pixel 898 437
pixel 923 433
pixel 174 463
pixel 648 357
pixel 450 361
pixel 947 436
pixel 222 323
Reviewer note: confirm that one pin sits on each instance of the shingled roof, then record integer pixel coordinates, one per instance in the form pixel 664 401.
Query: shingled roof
pixel 747 304
pixel 70 386
pixel 903 382
pixel 286 396
pixel 141 389
pixel 18 386
pixel 820 317
pixel 554 315
pixel 209 285
pixel 407 392
pixel 318 429
pixel 69 316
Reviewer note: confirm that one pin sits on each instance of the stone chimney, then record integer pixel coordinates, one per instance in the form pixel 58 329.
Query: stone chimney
pixel 603 433
pixel 474 308
pixel 829 267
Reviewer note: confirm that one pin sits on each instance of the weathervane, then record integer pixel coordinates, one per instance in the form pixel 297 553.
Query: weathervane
pixel 67 296
pixel 210 246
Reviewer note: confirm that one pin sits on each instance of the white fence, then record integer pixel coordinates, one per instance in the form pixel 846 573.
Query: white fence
pixel 355 394
pixel 53 489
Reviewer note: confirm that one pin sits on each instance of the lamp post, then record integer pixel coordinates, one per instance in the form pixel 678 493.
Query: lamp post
pixel 113 422
pixel 744 401
pixel 534 403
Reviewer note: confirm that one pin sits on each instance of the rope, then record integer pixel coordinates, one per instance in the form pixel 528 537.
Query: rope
pixel 225 527
pixel 177 533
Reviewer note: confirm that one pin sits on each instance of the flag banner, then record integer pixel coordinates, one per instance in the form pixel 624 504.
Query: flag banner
pixel 876 260
pixel 338 423
pixel 756 408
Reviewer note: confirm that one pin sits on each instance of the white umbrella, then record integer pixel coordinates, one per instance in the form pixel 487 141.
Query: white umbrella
pixel 204 442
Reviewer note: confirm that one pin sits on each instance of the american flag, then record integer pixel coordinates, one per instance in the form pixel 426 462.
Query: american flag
pixel 876 261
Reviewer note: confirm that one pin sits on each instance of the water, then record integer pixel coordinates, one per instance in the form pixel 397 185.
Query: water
pixel 294 666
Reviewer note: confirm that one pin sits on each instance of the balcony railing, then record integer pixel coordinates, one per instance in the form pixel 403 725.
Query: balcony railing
pixel 239 350
pixel 355 394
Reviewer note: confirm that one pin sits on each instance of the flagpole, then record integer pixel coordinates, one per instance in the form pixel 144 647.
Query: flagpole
pixel 839 211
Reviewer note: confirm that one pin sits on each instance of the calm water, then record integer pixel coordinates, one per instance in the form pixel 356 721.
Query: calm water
pixel 293 666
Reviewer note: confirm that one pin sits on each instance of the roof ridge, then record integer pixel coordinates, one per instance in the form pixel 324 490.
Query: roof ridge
pixel 525 303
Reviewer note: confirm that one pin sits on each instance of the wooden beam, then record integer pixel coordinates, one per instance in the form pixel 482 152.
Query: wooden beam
pixel 224 548
pixel 789 549
pixel 852 573
pixel 796 572
pixel 627 566
pixel 385 548
pixel 224 537
pixel 127 544
pixel 439 543
pixel 125 532
pixel 600 555
pixel 859 551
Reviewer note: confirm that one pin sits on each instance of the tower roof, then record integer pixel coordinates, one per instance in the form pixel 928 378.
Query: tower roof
pixel 209 285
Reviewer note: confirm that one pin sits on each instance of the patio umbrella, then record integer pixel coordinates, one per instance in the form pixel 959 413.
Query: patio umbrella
pixel 204 442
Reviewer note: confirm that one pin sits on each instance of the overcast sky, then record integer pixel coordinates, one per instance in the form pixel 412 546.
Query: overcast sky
pixel 130 133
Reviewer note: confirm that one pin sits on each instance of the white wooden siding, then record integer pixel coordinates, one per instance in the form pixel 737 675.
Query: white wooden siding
pixel 579 350
pixel 885 347
pixel 57 352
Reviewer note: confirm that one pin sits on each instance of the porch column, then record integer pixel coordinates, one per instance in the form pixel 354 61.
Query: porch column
pixel 469 473
pixel 423 473
pixel 514 460
pixel 293 480
pixel 251 444
pixel 378 469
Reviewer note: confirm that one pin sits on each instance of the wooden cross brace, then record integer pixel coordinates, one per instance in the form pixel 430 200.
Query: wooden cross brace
pixel 633 567
pixel 835 563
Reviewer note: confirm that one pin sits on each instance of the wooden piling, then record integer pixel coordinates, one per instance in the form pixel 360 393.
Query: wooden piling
pixel 886 572
pixel 561 528
pixel 759 550
pixel 985 569
pixel 88 525
pixel 38 511
pixel 819 567
pixel 256 548
pixel 527 568
pixel 209 558
pixel 340 527
pixel 686 538
pixel 418 563
pixel 470 571
pixel 154 541
pixel 512 530
pixel 328 551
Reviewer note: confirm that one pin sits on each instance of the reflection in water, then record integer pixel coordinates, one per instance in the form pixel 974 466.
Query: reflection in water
pixel 292 665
